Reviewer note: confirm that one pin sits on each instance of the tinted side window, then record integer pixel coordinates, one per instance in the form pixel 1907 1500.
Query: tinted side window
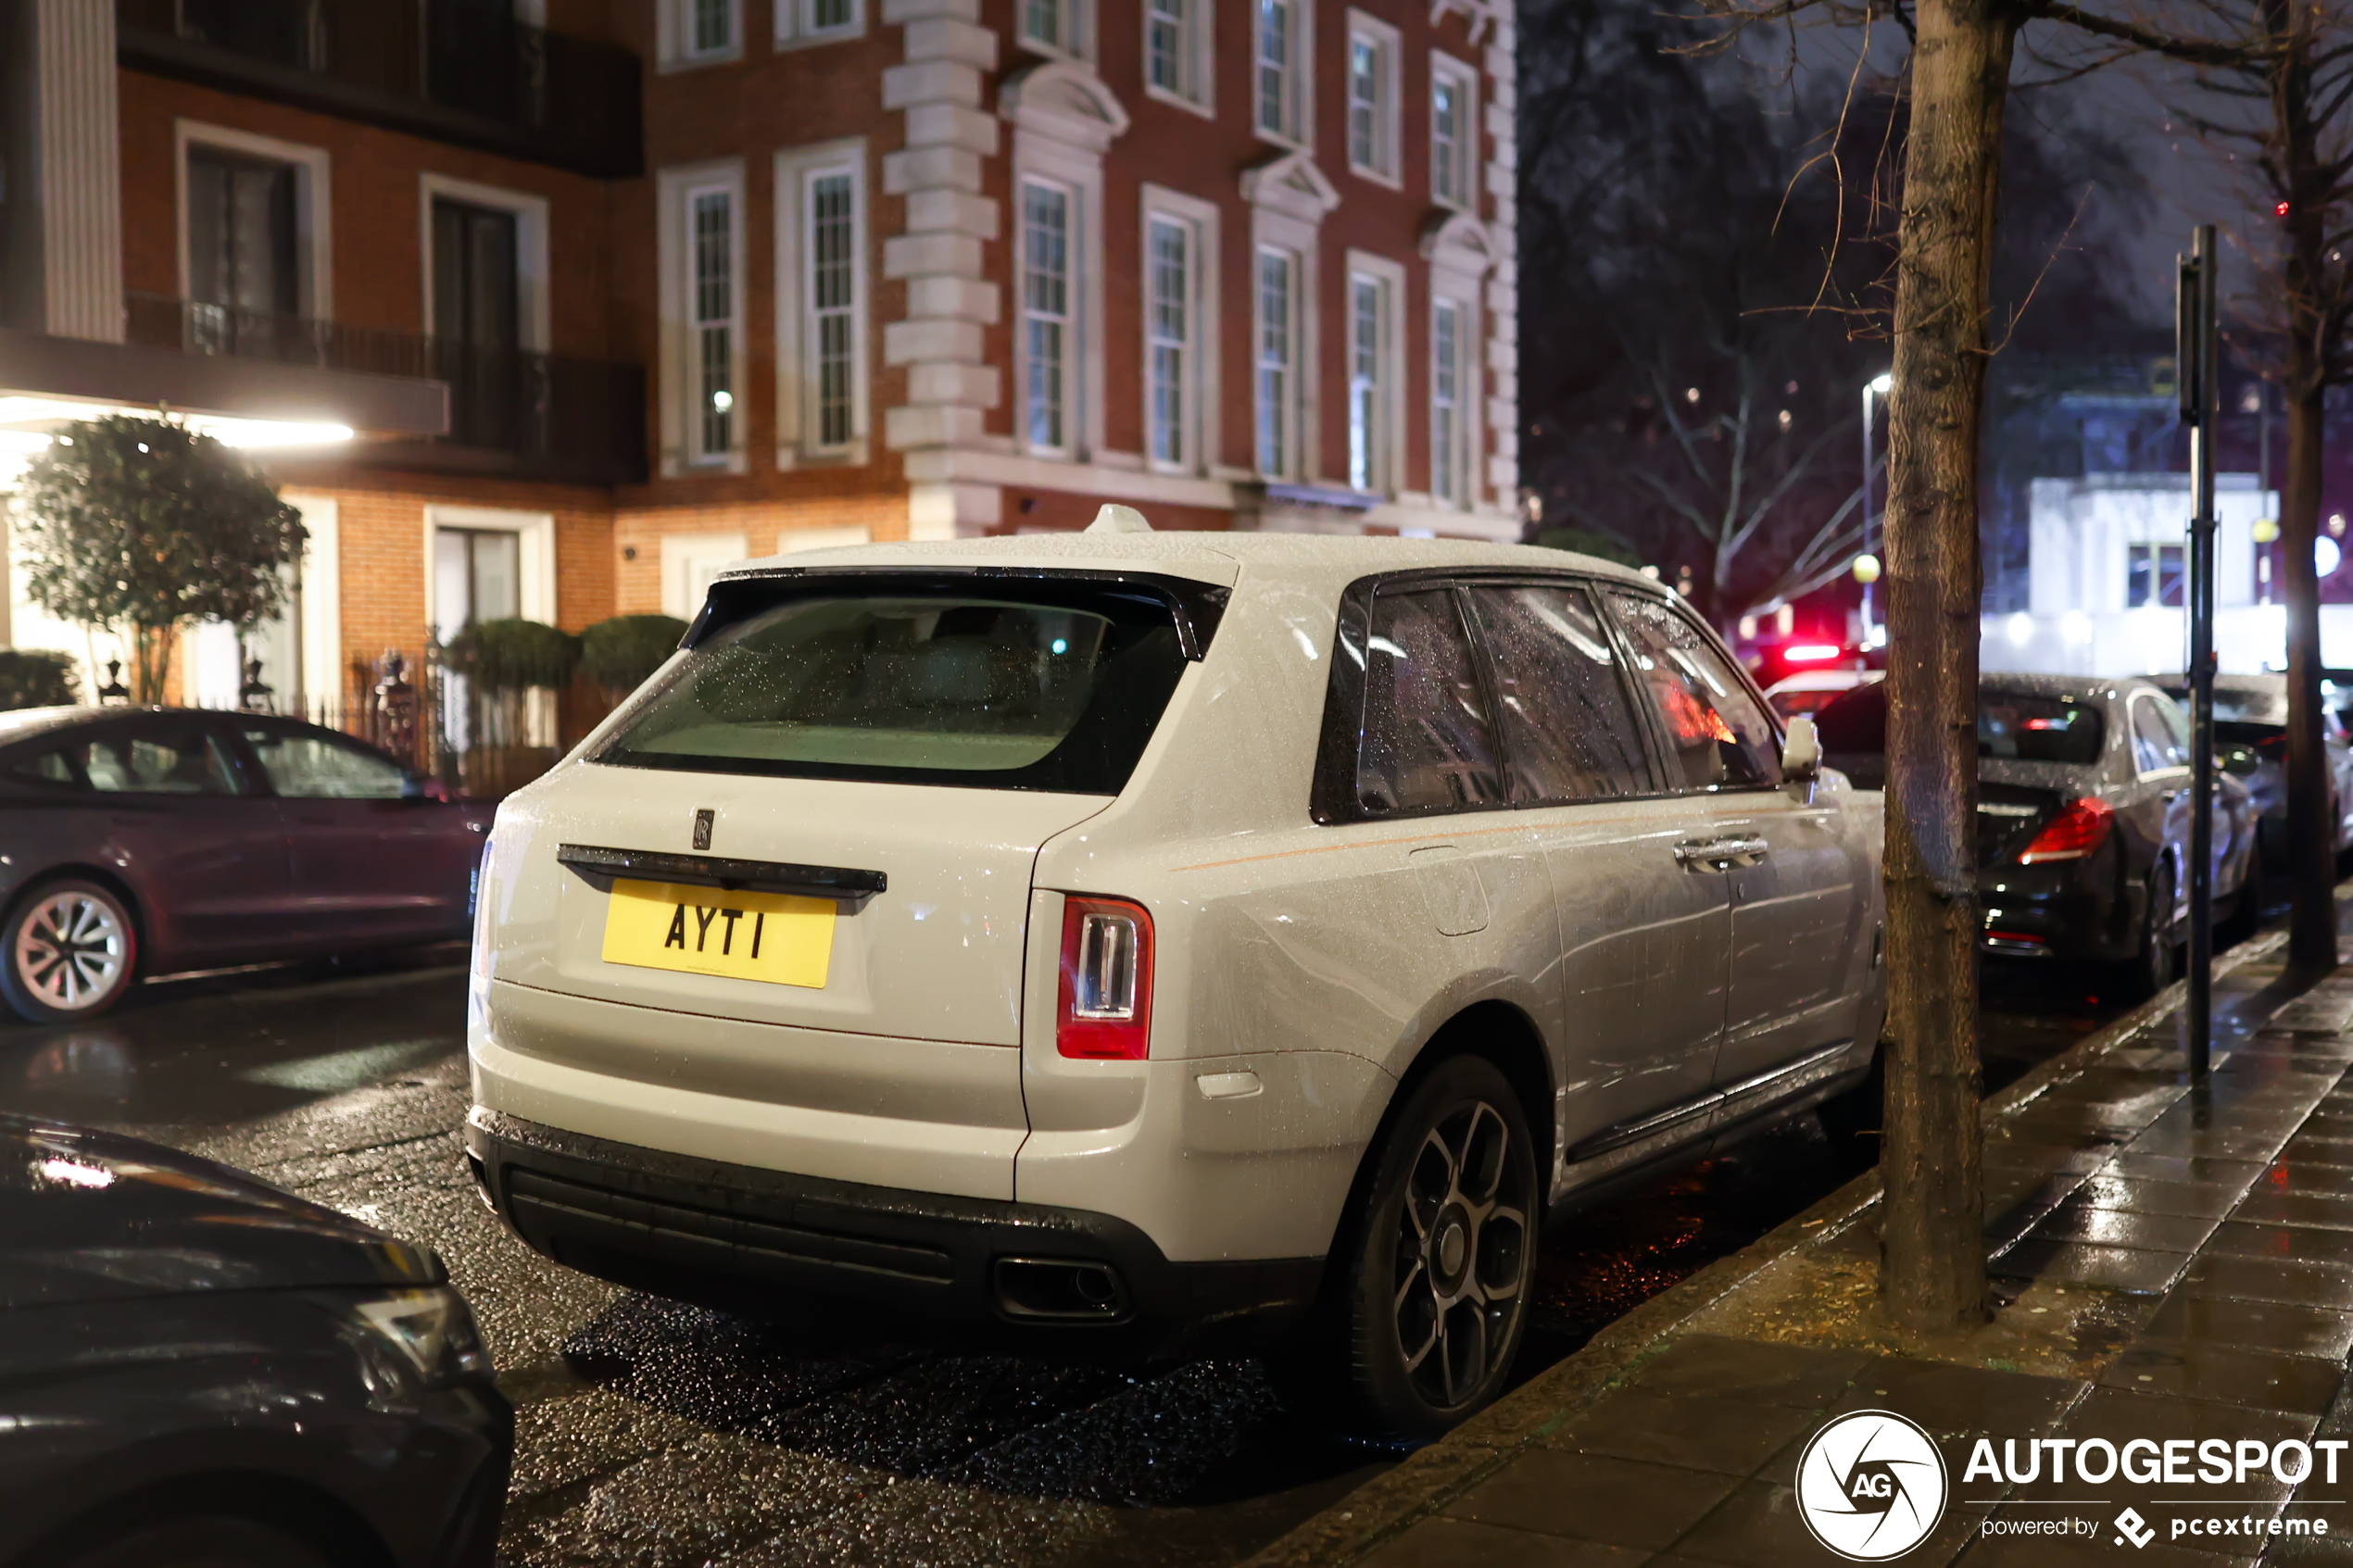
pixel 303 767
pixel 1569 732
pixel 1720 736
pixel 162 757
pixel 1426 742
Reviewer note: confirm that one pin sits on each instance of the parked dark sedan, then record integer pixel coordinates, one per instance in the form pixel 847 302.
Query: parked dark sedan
pixel 2082 816
pixel 146 841
pixel 195 1369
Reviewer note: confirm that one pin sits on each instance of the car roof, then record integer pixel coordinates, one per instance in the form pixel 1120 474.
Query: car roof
pixel 1209 557
pixel 2067 685
pixel 1825 681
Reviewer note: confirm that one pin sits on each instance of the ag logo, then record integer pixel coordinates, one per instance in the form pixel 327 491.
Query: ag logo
pixel 1871 1485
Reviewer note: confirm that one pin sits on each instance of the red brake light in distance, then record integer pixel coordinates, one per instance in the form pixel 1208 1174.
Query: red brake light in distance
pixel 2076 832
pixel 1105 1012
pixel 1810 653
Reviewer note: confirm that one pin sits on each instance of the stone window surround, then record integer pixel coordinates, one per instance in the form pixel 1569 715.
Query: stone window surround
pixel 792 30
pixel 1202 398
pixel 796 418
pixel 1200 27
pixel 1288 197
pixel 1390 467
pixel 1387 137
pixel 1077 16
pixel 675 382
pixel 1065 120
pixel 1300 135
pixel 1468 165
pixel 1463 255
pixel 672 20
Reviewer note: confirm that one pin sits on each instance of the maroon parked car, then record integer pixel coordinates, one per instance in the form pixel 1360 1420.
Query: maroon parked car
pixel 148 841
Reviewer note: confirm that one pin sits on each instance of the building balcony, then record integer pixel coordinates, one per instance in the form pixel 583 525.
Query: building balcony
pixel 463 71
pixel 512 413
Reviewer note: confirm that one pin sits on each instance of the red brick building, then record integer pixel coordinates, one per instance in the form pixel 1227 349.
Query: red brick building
pixel 611 292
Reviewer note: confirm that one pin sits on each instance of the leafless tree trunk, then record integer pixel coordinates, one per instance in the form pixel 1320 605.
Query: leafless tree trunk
pixel 2314 194
pixel 1934 1276
pixel 2311 830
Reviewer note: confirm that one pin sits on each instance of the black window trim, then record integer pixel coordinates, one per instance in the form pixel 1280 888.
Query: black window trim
pixel 1332 798
pixel 82 731
pixel 1195 606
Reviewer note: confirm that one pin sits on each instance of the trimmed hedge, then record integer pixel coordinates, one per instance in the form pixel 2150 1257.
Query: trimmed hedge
pixel 514 655
pixel 622 653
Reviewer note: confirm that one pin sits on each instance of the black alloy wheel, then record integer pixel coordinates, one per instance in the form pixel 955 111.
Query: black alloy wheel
pixel 2152 967
pixel 1436 1258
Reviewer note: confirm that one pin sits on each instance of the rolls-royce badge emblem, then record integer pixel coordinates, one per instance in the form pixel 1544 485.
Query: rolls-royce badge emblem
pixel 702 828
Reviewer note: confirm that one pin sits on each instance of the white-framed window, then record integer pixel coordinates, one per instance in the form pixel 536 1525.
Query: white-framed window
pixel 1451 402
pixel 1373 50
pixel 1048 316
pixel 1454 134
pixel 254 235
pixel 1375 374
pixel 701 250
pixel 1179 63
pixel 1181 341
pixel 822 326
pixel 1276 325
pixel 1282 45
pixel 711 309
pixel 694 32
pixel 1058 27
pixel 804 23
pixel 1170 263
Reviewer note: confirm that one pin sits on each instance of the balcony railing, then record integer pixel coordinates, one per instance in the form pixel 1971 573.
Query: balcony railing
pixel 462 70
pixel 550 417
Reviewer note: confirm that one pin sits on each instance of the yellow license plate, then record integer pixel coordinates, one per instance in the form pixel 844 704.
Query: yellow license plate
pixel 777 938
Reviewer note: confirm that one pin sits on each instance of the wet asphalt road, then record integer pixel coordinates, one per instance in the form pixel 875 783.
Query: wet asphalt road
pixel 657 1433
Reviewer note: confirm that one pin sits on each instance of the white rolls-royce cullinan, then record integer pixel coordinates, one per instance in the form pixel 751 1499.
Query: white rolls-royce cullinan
pixel 1147 943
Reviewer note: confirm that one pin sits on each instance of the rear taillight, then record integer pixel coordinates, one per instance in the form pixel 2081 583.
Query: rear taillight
pixel 2079 829
pixel 1106 1008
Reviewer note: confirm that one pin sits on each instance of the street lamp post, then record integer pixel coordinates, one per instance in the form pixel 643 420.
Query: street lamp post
pixel 1873 390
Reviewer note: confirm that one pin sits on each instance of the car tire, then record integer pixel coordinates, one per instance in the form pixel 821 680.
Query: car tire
pixel 1426 1301
pixel 219 1542
pixel 2152 967
pixel 69 950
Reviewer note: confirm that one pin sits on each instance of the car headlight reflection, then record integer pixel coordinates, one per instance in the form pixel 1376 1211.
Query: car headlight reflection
pixel 414 1341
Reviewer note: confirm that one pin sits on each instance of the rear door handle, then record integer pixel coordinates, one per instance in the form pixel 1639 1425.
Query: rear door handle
pixel 1720 854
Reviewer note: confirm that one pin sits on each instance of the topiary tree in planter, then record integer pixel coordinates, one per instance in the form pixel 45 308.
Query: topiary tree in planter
pixel 140 526
pixel 622 653
pixel 36 678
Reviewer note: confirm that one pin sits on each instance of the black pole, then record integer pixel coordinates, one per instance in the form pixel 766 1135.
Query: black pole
pixel 2201 405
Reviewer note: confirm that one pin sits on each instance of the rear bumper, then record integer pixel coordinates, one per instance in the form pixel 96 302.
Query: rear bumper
pixel 1019 1277
pixel 2065 912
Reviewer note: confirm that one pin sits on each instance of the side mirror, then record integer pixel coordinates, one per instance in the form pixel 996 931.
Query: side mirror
pixel 1802 752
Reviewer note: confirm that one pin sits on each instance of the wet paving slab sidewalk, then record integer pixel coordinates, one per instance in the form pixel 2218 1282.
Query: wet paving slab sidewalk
pixel 2171 1263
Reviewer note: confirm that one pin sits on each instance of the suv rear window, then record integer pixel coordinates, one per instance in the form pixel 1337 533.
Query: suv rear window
pixel 992 684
